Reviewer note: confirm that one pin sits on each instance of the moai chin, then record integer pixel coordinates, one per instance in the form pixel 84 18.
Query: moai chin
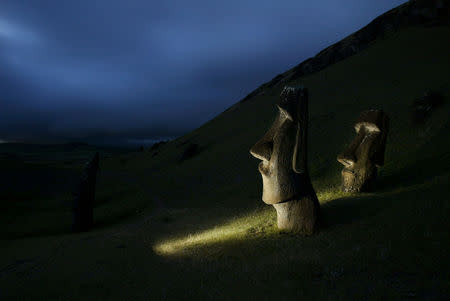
pixel 283 151
pixel 84 201
pixel 366 152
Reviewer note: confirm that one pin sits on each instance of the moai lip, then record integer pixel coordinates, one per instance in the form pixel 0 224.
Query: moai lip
pixel 365 153
pixel 283 154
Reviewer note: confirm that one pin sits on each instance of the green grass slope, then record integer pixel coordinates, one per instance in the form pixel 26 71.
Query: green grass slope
pixel 202 231
pixel 389 75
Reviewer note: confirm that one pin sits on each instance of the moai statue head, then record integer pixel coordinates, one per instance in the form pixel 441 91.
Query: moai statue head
pixel 286 183
pixel 366 151
pixel 283 148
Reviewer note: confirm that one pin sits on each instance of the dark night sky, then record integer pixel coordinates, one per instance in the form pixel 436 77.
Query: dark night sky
pixel 115 69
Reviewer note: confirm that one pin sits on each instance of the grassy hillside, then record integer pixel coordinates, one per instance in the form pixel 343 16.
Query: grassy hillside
pixel 389 75
pixel 197 229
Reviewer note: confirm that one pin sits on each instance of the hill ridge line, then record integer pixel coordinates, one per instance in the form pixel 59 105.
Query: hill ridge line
pixel 412 13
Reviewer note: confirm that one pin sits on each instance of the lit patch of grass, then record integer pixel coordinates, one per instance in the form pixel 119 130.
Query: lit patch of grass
pixel 331 194
pixel 258 223
pixel 261 223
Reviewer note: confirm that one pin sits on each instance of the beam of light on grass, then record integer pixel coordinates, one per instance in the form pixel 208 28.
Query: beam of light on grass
pixel 331 194
pixel 260 223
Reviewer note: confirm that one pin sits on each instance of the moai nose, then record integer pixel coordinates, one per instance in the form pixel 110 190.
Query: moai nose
pixel 346 159
pixel 262 150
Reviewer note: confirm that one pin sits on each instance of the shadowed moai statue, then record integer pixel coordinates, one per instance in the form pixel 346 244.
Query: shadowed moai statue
pixel 283 151
pixel 84 200
pixel 366 151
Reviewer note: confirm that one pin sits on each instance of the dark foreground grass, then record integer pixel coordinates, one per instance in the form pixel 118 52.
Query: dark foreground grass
pixel 387 246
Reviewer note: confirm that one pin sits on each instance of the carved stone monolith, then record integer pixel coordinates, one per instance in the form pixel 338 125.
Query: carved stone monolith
pixel 84 200
pixel 283 151
pixel 365 153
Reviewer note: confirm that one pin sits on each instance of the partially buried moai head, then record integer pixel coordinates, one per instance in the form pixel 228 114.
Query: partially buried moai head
pixel 283 148
pixel 366 151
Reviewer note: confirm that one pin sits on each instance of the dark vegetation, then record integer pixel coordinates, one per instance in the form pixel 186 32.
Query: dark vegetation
pixel 156 147
pixel 198 230
pixel 422 107
pixel 190 151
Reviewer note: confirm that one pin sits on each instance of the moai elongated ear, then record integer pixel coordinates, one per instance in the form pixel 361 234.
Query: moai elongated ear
pixel 293 104
pixel 379 154
pixel 299 160
pixel 375 122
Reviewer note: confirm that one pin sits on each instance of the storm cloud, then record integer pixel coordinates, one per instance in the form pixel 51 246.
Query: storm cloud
pixel 87 69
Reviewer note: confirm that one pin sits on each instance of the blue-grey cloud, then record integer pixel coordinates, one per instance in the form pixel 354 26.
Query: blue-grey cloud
pixel 141 69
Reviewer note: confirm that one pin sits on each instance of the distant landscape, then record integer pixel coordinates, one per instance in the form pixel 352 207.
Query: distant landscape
pixel 181 218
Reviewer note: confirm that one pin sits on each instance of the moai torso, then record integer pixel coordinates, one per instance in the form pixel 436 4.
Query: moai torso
pixel 84 201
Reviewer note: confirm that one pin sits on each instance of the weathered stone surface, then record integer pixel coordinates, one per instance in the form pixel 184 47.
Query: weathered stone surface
pixel 84 201
pixel 286 183
pixel 298 215
pixel 366 152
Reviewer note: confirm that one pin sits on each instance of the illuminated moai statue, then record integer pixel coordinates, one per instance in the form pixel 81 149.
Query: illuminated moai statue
pixel 366 152
pixel 84 200
pixel 283 151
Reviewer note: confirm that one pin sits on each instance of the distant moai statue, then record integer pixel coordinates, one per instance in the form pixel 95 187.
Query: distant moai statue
pixel 283 151
pixel 366 152
pixel 84 200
